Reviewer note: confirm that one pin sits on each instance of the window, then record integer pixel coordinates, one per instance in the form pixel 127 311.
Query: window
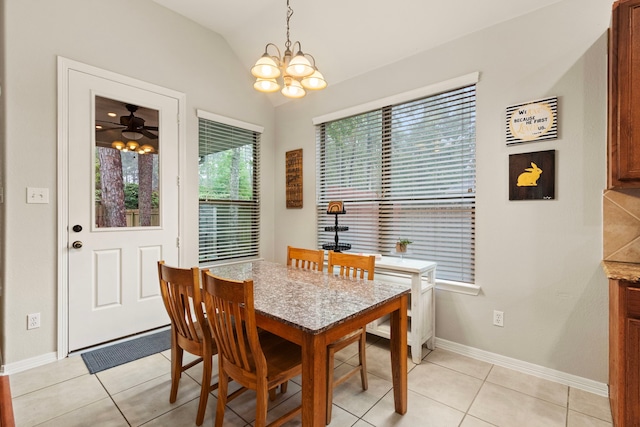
pixel 405 170
pixel 229 211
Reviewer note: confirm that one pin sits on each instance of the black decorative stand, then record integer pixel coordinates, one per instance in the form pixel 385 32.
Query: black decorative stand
pixel 336 246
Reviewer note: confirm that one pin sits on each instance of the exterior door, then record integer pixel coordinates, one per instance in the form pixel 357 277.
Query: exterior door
pixel 122 207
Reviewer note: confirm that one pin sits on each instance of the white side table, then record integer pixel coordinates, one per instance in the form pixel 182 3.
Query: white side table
pixel 422 313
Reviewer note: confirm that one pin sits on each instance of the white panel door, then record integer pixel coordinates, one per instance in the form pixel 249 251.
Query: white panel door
pixel 113 280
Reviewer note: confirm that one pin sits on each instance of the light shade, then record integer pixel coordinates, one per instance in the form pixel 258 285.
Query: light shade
pixel 128 134
pixel 315 81
pixel 132 145
pixel 299 66
pixel 292 88
pixel 118 145
pixel 266 85
pixel 265 68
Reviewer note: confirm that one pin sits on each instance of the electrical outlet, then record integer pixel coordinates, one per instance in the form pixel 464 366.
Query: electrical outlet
pixel 33 320
pixel 498 318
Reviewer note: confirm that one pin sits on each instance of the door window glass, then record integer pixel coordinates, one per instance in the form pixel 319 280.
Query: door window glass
pixel 126 165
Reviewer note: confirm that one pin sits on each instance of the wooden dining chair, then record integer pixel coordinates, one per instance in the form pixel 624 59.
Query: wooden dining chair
pixel 6 404
pixel 308 259
pixel 180 288
pixel 355 266
pixel 257 361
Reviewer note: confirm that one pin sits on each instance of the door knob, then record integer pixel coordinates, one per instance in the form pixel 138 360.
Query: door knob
pixel 77 244
pixel 77 228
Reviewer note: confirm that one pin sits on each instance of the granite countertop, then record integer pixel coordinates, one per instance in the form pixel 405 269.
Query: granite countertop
pixel 622 270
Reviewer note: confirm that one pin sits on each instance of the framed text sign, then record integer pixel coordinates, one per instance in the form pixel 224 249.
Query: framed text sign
pixel 533 121
pixel 293 164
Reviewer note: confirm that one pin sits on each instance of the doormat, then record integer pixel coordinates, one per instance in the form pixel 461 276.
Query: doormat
pixel 127 351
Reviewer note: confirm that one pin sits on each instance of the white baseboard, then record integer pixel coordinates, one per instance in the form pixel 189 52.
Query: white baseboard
pixel 34 362
pixel 570 380
pixel 43 359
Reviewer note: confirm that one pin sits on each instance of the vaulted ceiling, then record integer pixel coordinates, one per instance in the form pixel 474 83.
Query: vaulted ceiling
pixel 348 37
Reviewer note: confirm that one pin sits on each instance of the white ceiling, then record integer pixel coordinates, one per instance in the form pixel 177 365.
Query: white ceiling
pixel 348 37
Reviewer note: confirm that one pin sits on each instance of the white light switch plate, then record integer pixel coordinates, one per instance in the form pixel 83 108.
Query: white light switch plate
pixel 37 195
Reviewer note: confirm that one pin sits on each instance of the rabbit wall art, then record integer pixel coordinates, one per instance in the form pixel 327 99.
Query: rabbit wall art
pixel 530 177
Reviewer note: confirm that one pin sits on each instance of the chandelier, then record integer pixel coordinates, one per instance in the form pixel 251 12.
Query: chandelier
pixel 296 71
pixel 133 146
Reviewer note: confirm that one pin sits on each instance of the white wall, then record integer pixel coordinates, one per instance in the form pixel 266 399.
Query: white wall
pixel 136 38
pixel 538 261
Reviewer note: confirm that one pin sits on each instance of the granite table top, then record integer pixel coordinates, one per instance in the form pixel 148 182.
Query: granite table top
pixel 309 300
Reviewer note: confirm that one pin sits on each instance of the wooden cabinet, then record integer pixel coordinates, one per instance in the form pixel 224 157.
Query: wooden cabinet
pixel 624 96
pixel 624 352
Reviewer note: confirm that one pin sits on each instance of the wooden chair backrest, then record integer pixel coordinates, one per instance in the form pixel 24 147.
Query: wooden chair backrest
pixel 305 258
pixel 229 306
pixel 184 304
pixel 352 265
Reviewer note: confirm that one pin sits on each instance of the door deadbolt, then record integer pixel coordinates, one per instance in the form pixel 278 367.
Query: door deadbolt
pixel 77 244
pixel 77 228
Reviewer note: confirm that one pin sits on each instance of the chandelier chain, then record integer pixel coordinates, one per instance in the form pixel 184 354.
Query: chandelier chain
pixel 287 44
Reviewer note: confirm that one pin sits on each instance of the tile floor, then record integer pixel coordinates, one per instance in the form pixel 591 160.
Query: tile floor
pixel 446 389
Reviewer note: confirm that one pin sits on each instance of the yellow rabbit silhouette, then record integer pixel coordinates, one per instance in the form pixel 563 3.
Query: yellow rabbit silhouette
pixel 529 178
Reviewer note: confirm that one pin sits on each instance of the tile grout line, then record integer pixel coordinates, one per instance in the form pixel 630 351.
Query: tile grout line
pixel 112 400
pixel 484 381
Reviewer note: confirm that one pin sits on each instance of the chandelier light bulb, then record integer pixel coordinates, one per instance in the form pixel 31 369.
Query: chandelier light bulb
pixel 265 68
pixel 118 145
pixel 315 81
pixel 299 66
pixel 292 88
pixel 132 145
pixel 266 85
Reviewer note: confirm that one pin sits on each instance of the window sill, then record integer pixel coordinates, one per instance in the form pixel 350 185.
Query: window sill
pixel 457 287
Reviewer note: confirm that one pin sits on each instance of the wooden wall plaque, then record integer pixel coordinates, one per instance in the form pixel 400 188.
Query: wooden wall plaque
pixel 293 164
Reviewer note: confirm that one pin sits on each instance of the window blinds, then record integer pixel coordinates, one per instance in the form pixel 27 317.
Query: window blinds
pixel 229 208
pixel 404 171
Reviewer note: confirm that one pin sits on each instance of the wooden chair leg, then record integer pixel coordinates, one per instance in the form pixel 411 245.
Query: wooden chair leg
pixel 262 396
pixel 176 368
pixel 223 382
pixel 207 361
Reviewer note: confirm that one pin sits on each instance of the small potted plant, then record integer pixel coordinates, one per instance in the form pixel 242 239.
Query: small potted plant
pixel 401 245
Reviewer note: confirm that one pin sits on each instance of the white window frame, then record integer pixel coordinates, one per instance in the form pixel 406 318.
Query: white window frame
pixel 451 84
pixel 258 130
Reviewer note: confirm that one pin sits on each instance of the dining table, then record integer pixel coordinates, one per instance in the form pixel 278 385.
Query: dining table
pixel 313 309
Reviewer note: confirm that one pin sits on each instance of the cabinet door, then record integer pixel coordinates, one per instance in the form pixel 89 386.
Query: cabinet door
pixel 624 97
pixel 633 372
